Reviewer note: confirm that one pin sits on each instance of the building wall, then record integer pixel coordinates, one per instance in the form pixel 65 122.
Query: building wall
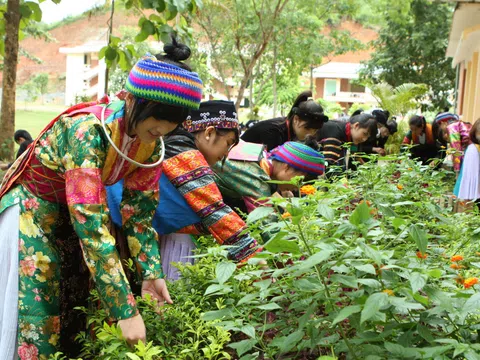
pixel 319 88
pixel 344 85
pixel 468 100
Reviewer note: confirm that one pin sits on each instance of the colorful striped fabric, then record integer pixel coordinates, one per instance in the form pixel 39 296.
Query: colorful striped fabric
pixel 156 80
pixel 300 156
pixel 446 116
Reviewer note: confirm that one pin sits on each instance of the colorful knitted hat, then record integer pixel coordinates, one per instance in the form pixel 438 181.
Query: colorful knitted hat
pixel 217 113
pixel 446 117
pixel 300 157
pixel 156 80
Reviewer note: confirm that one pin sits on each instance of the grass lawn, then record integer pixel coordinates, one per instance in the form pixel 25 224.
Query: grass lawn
pixel 33 121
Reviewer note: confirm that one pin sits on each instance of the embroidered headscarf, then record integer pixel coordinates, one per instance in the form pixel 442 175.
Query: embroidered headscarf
pixel 217 113
pixel 300 157
pixel 155 80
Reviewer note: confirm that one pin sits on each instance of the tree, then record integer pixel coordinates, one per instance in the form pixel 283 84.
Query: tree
pixel 263 37
pixel 399 100
pixel 411 49
pixel 17 16
pixel 40 81
pixel 31 92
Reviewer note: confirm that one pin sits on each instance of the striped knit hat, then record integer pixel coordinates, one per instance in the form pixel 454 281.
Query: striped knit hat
pixel 446 117
pixel 300 157
pixel 155 80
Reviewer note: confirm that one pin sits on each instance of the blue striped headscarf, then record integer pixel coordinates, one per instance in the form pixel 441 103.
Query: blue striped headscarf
pixel 300 157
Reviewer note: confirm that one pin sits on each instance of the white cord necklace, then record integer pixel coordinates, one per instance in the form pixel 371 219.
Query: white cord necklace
pixel 162 152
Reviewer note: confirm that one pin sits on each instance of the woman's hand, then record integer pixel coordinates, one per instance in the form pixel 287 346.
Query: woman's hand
pixel 158 291
pixel 379 151
pixel 133 330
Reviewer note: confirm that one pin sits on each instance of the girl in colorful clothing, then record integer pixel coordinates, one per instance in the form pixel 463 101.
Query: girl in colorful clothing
pixel 190 200
pixel 468 182
pixel 244 177
pixel 450 130
pixel 305 118
pixel 425 143
pixel 53 210
pixel 334 134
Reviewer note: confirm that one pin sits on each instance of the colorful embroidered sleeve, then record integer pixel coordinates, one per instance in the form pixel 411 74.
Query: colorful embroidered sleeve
pixel 407 140
pixel 189 172
pixel 140 199
pixel 332 150
pixel 86 198
pixel 459 140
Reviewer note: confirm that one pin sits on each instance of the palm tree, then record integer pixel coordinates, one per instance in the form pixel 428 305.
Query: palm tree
pixel 399 100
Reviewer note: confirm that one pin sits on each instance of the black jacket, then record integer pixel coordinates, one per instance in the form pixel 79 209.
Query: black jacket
pixel 272 133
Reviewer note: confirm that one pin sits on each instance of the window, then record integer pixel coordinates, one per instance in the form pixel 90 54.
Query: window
pixel 356 88
pixel 330 87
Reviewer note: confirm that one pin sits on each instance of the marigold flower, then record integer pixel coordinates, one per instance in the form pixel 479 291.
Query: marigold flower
pixel 308 190
pixel 470 282
pixel 457 161
pixel 389 292
pixel 477 253
pixel 286 215
pixel 421 255
pixel 456 267
pixel 400 187
pixel 410 169
pixel 456 258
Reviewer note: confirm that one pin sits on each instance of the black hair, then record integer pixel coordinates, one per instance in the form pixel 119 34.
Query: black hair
pixel 357 112
pixel 473 132
pixel 381 116
pixel 141 110
pixel 418 121
pixel 365 121
pixel 392 126
pixel 22 134
pixel 308 110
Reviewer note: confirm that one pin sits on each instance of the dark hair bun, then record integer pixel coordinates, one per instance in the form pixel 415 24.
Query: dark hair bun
pixel 176 51
pixel 311 142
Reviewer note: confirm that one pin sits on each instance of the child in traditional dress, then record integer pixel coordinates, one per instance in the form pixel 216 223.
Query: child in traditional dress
pixel 53 210
pixel 421 135
pixel 468 182
pixel 305 118
pixel 190 200
pixel 244 177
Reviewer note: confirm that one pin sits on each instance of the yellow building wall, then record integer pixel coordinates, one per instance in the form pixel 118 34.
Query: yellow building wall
pixel 476 90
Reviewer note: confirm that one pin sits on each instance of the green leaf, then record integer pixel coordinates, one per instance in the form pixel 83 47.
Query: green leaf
pixel 243 346
pixel 350 281
pixel 247 298
pixel 224 271
pixel 425 333
pixel 316 259
pixel 373 254
pixel 401 351
pixel 435 273
pixel 368 268
pixel 417 281
pixel 259 213
pixel 248 330
pixel 217 288
pixel 291 341
pixel 373 304
pixel 472 304
pixel 277 245
pixel 270 306
pixel 110 54
pixel 36 10
pixel 420 238
pixel 217 314
pixel 346 312
pixel 326 211
pixel 360 215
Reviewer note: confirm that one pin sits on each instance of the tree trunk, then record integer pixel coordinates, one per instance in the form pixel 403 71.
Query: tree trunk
pixel 274 79
pixel 7 121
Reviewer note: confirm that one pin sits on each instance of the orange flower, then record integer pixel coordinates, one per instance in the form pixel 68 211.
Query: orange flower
pixel 421 255
pixel 410 169
pixel 456 267
pixel 470 282
pixel 308 190
pixel 286 215
pixel 400 187
pixel 457 161
pixel 477 253
pixel 456 258
pixel 389 292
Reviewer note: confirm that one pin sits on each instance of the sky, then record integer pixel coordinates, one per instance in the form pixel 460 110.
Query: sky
pixel 53 12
